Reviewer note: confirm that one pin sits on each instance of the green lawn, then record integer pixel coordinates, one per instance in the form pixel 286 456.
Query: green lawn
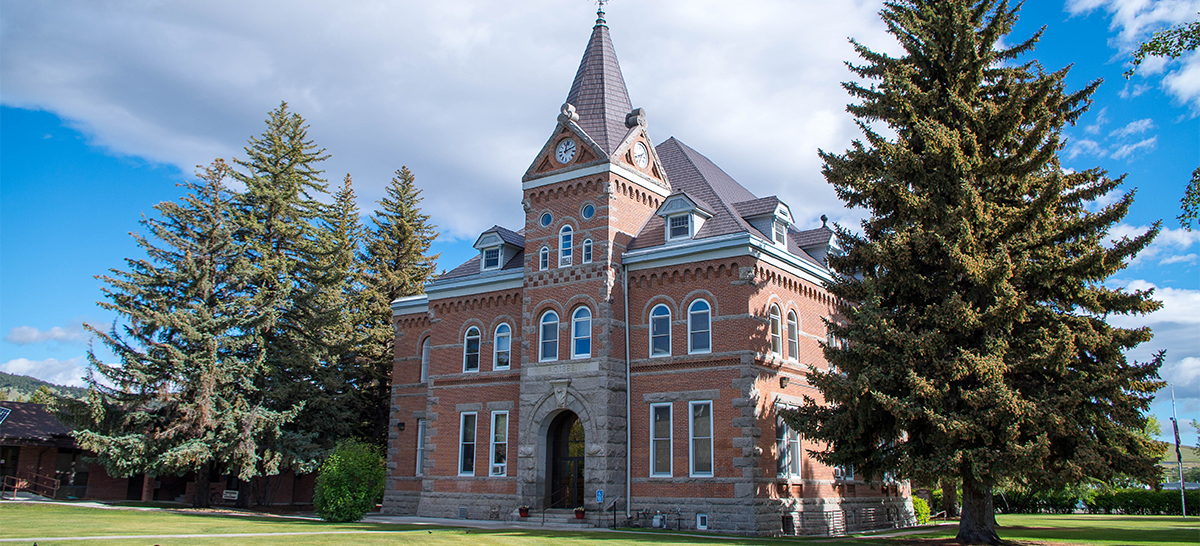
pixel 28 521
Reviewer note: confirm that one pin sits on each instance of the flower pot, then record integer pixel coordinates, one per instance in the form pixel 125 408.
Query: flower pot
pixel 579 514
pixel 524 512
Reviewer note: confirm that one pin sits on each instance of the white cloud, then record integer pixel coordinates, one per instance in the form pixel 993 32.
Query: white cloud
pixel 1084 147
pixel 1101 121
pixel 1134 21
pixel 1180 306
pixel 464 92
pixel 25 335
pixel 1169 244
pixel 1134 128
pixel 1128 150
pixel 68 372
pixel 1183 259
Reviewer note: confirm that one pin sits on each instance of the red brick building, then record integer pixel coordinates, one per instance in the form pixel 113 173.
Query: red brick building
pixel 636 335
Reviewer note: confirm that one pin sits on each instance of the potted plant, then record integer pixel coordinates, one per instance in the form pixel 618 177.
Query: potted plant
pixel 579 513
pixel 523 510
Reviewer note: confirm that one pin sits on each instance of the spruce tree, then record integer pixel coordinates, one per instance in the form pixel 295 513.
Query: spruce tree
pixel 183 397
pixel 396 263
pixel 976 342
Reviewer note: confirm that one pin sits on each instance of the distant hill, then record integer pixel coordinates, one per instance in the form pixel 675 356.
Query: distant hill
pixel 21 387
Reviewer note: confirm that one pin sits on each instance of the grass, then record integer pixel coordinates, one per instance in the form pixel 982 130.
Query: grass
pixel 47 521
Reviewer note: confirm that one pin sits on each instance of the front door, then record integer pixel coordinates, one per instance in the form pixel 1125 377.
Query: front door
pixel 565 464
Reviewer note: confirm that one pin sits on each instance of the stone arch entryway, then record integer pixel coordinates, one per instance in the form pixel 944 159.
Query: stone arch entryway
pixel 564 461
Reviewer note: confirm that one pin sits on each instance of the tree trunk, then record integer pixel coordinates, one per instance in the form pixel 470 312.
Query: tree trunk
pixel 244 494
pixel 978 522
pixel 202 489
pixel 147 488
pixel 950 497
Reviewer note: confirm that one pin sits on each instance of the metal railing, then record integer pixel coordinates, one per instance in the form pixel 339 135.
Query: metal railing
pixel 46 486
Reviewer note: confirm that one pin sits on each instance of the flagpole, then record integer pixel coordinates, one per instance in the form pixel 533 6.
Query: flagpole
pixel 1178 455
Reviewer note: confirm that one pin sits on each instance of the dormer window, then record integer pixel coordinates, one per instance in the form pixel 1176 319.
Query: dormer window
pixel 680 227
pixel 491 258
pixel 780 232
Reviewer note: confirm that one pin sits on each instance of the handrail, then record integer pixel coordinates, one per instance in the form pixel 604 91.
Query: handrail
pixel 552 495
pixel 46 484
pixel 613 506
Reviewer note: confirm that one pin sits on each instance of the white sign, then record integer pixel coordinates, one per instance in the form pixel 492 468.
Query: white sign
pixel 229 494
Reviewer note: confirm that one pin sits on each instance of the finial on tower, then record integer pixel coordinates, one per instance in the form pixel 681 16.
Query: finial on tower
pixel 600 12
pixel 824 219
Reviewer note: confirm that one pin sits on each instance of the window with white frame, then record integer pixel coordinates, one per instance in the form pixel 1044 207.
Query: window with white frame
pixel 843 472
pixel 660 331
pixel 471 350
pixel 775 337
pixel 420 447
pixel 699 327
pixel 660 439
pixel 587 251
pixel 787 448
pixel 491 258
pixel 548 349
pixel 502 348
pixel 780 232
pixel 425 346
pixel 793 336
pixel 679 227
pixel 466 444
pixel 581 333
pixel 544 258
pixel 564 246
pixel 701 522
pixel 499 465
pixel 700 431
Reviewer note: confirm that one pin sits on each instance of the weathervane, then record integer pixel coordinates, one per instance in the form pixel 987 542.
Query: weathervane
pixel 600 11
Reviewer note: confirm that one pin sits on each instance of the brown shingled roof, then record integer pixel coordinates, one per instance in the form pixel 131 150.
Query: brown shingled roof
pixel 598 92
pixel 31 424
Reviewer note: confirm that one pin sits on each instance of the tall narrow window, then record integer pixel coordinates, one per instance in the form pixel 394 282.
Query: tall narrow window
pixel 420 447
pixel 587 251
pixel 549 337
pixel 581 333
pixel 793 334
pixel 700 426
pixel 660 440
pixel 780 232
pixel 787 449
pixel 425 361
pixel 699 327
pixel 471 350
pixel 499 443
pixel 660 331
pixel 466 445
pixel 564 246
pixel 544 259
pixel 775 341
pixel 503 347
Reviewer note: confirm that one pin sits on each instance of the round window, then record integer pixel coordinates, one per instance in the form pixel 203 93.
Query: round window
pixel 546 219
pixel 589 211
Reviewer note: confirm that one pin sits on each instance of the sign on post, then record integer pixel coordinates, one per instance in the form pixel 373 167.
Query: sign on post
pixel 599 496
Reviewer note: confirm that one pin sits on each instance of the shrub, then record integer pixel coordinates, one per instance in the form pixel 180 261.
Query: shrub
pixel 350 482
pixel 1140 502
pixel 921 509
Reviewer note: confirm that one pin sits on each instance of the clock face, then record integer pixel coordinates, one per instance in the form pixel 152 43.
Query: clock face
pixel 565 151
pixel 640 155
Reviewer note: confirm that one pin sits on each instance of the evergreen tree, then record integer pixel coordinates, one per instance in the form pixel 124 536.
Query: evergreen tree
pixel 396 264
pixel 183 397
pixel 977 345
pixel 285 228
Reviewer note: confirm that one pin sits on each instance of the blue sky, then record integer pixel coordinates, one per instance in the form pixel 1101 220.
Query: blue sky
pixel 106 105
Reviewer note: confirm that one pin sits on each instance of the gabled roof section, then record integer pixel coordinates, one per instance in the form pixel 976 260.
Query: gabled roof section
pixel 598 92
pixel 32 424
pixel 471 267
pixel 507 236
pixel 813 237
pixel 763 207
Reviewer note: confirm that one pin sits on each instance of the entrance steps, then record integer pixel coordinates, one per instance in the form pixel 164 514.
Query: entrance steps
pixel 556 517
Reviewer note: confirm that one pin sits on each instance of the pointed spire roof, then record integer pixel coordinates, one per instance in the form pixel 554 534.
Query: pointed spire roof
pixel 598 92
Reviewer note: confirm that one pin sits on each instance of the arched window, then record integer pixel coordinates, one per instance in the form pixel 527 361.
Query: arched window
pixel 793 334
pixel 544 259
pixel 425 360
pixel 471 350
pixel 503 347
pixel 549 338
pixel 660 331
pixel 776 343
pixel 699 327
pixel 581 333
pixel 587 251
pixel 564 246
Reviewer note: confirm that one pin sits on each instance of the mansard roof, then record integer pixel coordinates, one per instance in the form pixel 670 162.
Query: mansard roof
pixel 598 92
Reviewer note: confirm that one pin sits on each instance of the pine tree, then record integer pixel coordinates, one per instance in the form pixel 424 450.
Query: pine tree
pixel 282 223
pixel 977 345
pixel 183 397
pixel 396 264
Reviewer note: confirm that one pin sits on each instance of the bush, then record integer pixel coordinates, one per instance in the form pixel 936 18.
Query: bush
pixel 921 509
pixel 1141 502
pixel 350 482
